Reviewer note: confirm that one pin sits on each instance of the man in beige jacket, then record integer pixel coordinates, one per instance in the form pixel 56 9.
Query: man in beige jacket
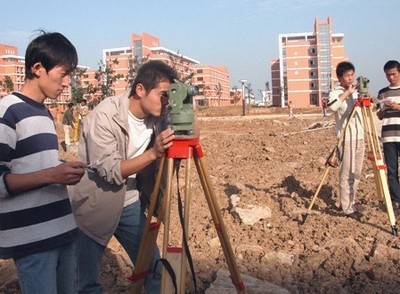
pixel 116 142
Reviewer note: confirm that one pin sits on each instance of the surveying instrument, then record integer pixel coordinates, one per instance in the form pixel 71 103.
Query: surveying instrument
pixel 185 146
pixel 373 149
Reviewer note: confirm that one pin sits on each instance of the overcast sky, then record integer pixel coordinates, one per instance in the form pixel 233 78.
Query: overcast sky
pixel 239 34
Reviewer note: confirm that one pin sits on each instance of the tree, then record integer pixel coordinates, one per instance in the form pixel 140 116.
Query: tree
pixel 249 93
pixel 205 89
pixel 218 92
pixel 106 77
pixel 267 88
pixel 134 63
pixel 8 84
pixel 182 66
pixel 77 94
pixel 77 91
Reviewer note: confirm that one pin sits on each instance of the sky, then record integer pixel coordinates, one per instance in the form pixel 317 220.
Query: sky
pixel 239 34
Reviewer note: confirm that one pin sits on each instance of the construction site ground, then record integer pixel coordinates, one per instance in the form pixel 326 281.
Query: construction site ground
pixel 269 161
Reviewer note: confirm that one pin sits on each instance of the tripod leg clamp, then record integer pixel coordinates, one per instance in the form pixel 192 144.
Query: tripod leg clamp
pixel 139 276
pixel 238 285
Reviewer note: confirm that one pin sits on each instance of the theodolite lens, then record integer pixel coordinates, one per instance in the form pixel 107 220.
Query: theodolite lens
pixel 192 90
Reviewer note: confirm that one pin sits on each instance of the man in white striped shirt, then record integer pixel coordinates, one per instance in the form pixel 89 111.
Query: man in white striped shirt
pixel 341 101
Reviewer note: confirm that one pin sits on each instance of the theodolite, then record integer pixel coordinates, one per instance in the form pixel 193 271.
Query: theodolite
pixel 181 113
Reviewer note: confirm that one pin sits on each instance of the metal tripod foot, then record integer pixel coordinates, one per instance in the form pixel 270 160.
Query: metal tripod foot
pixel 394 231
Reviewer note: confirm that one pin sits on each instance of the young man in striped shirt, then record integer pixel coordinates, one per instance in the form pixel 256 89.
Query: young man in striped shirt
pixel 37 228
pixel 389 113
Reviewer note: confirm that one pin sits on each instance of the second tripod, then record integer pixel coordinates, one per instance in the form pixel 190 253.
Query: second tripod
pixel 374 153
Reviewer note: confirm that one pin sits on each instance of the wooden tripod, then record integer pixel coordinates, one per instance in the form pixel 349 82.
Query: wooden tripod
pixel 182 148
pixel 374 153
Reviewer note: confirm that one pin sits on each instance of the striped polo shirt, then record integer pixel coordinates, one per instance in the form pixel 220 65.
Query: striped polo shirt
pixel 391 118
pixel 37 220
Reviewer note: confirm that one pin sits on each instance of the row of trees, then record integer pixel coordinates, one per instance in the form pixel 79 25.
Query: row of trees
pixel 106 77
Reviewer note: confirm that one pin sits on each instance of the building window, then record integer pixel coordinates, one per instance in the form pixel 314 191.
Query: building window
pixel 138 48
pixel 313 99
pixel 313 50
pixel 199 71
pixel 313 74
pixel 199 78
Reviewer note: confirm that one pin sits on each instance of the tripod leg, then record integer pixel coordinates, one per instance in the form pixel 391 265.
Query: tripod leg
pixel 331 160
pixel 368 131
pixel 380 168
pixel 374 150
pixel 149 238
pixel 166 208
pixel 186 220
pixel 316 193
pixel 220 227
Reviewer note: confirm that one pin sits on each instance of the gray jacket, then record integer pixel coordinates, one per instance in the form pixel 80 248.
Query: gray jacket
pixel 98 199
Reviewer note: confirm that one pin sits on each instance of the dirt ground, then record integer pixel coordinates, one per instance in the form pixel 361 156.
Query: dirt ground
pixel 272 161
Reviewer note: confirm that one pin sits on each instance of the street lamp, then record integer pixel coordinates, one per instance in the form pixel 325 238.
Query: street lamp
pixel 244 100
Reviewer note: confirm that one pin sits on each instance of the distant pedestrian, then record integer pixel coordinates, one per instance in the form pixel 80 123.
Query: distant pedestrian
pixel 81 111
pixel 324 107
pixel 68 122
pixel 291 106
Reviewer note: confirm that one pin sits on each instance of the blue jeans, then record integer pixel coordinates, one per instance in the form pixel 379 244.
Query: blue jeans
pixel 129 234
pixel 391 151
pixel 47 272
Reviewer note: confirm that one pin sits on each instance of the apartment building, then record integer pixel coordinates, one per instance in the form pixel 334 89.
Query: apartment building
pixel 143 47
pixel 12 68
pixel 304 73
pixel 213 81
pixel 214 85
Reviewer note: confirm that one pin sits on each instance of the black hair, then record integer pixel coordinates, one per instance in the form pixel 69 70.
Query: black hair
pixel 391 64
pixel 343 67
pixel 151 73
pixel 51 50
pixel 70 105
